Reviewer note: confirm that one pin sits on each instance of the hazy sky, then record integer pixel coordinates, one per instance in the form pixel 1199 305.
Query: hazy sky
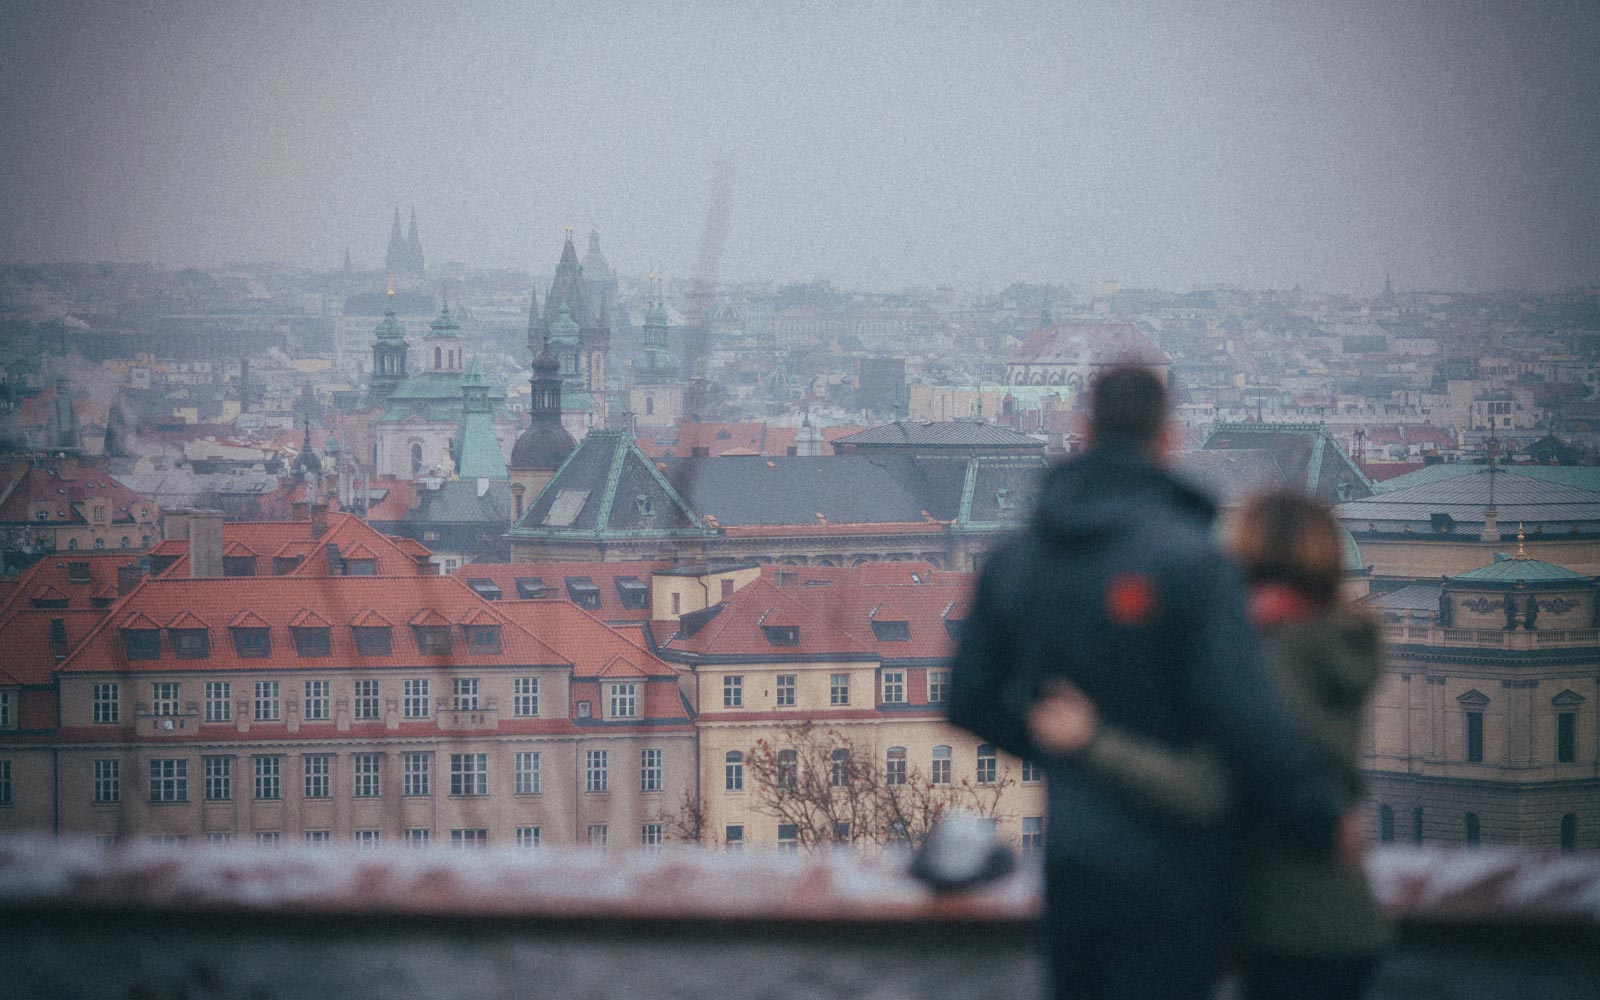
pixel 1456 144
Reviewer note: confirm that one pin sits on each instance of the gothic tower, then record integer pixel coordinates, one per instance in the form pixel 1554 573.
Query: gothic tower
pixel 388 354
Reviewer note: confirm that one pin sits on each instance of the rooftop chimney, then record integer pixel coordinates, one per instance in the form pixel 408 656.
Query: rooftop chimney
pixel 128 576
pixel 175 523
pixel 319 520
pixel 205 543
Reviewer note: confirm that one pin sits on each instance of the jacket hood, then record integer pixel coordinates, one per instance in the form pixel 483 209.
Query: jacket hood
pixel 1112 489
pixel 1347 655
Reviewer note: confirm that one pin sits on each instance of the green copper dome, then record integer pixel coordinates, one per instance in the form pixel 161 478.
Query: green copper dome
pixel 390 328
pixel 444 326
pixel 1521 570
pixel 564 329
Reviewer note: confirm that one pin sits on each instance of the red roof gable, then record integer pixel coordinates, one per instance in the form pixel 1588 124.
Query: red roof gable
pixel 737 628
pixel 585 641
pixel 604 574
pixel 54 571
pixel 292 539
pixel 249 619
pixel 38 485
pixel 306 618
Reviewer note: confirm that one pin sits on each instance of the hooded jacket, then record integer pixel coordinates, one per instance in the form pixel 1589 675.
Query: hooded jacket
pixel 1117 587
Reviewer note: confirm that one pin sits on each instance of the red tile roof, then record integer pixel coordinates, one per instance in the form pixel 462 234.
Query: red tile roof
pixel 292 539
pixel 29 652
pixel 33 484
pixel 588 643
pixel 555 574
pixel 736 630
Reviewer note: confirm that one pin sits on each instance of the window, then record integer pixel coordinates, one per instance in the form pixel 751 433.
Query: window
pixel 838 689
pixel 269 777
pixel 733 837
pixel 317 767
pixel 583 592
pixel 5 782
pixel 786 690
pixel 677 603
pixel 597 834
pixel 191 643
pixel 169 781
pixel 1386 824
pixel 652 835
pixel 1569 833
pixel 312 641
pixel 733 771
pixel 788 836
pixel 269 838
pixel 841 767
pixel 366 704
pixel 468 839
pixel 78 572
pixel 319 838
pixel 1469 826
pixel 624 701
pixel 1032 834
pixel 417 836
pixel 527 836
pixel 986 764
pixel 415 702
pixel 895 766
pixel 528 778
pixel 141 644
pixel 941 766
pixel 788 770
pixel 482 586
pixel 469 774
pixel 938 687
pixel 368 840
pixel 367 769
pixel 585 710
pixel 5 709
pixel 316 705
pixel 373 641
pixel 650 771
pixel 733 691
pixel 219 701
pixel 414 774
pixel 107 781
pixel 252 643
pixel 212 838
pixel 464 694
pixel 483 638
pixel 268 706
pixel 782 635
pixel 1475 737
pixel 525 697
pixel 106 703
pixel 1031 772
pixel 1416 825
pixel 595 778
pixel 894 687
pixel 634 592
pixel 164 698
pixel 531 588
pixel 432 640
pixel 887 631
pixel 1566 737
pixel 218 775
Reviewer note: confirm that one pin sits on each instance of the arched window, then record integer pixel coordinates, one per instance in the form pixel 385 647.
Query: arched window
pixel 788 770
pixel 1469 824
pixel 72 545
pixel 1569 833
pixel 649 406
pixel 733 771
pixel 1386 824
pixel 144 540
pixel 941 765
pixel 416 458
pixel 986 764
pixel 126 542
pixel 438 358
pixel 895 766
pixel 841 767
pixel 99 543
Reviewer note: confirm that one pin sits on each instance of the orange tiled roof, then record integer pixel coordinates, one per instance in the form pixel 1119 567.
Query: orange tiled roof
pixel 53 571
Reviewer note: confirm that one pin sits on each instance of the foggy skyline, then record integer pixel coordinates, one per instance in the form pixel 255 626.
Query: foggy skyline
pixel 1456 145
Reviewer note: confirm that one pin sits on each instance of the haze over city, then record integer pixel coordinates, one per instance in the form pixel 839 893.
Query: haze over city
pixel 1454 145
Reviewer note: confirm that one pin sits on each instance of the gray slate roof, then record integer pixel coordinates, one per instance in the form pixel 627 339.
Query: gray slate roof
pixel 846 489
pixel 940 433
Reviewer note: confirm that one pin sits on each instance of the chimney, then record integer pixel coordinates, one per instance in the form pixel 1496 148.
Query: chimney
pixel 59 647
pixel 319 520
pixel 300 510
pixel 128 577
pixel 205 543
pixel 175 523
pixel 244 385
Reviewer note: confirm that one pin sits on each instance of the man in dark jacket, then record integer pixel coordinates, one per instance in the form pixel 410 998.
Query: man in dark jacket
pixel 1117 587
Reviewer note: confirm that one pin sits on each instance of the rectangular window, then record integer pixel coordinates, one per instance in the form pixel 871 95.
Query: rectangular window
pixel 895 766
pixel 319 838
pixel 464 694
pixel 786 690
pixel 219 838
pixel 469 774
pixel 164 698
pixel 107 703
pixel 433 640
pixel 318 770
pixel 986 765
pixel 529 780
pixel 169 781
pixel 940 774
pixel 840 777
pixel 649 770
pixel 268 703
pixel 417 836
pixel 595 770
pixel 252 643
pixel 141 643
pixel 317 702
pixel 366 705
pixel 894 687
pixel 107 781
pixel 527 836
pixel 652 835
pixel 838 689
pixel 5 709
pixel 218 775
pixel 368 840
pixel 269 777
pixel 1031 772
pixel 191 643
pixel 269 838
pixel 525 697
pixel 938 687
pixel 373 641
pixel 415 770
pixel 733 772
pixel 312 641
pixel 367 769
pixel 5 782
pixel 733 691
pixel 466 839
pixel 624 701
pixel 415 703
pixel 788 836
pixel 219 701
pixel 1475 737
pixel 1032 834
pixel 1566 737
pixel 483 638
pixel 598 834
pixel 733 837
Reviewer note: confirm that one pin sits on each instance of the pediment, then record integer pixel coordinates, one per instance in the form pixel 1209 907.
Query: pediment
pixel 1474 697
pixel 1567 698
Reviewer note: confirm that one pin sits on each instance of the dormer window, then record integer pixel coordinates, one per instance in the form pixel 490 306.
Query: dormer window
pixel 583 592
pixel 486 589
pixel 373 641
pixel 284 565
pixel 531 588
pixel 889 631
pixel 361 567
pixel 238 565
pixel 1002 499
pixel 253 643
pixel 782 635
pixel 312 641
pixel 191 643
pixel 141 643
pixel 953 626
pixel 634 592
pixel 483 638
pixel 78 572
pixel 432 640
pixel 645 506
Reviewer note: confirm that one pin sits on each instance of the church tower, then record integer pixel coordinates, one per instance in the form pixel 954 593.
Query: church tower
pixel 656 396
pixel 475 449
pixel 395 260
pixel 442 350
pixel 388 353
pixel 414 246
pixel 542 448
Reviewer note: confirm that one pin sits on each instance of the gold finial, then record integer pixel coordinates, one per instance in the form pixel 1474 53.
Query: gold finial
pixel 391 286
pixel 1520 553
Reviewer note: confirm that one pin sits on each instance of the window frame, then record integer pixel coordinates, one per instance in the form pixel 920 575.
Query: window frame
pixel 267 703
pixel 365 704
pixel 216 777
pixel 366 775
pixel 107 786
pixel 838 690
pixel 267 777
pixel 317 702
pixel 218 701
pixel 316 772
pixel 732 690
pixel 173 783
pixel 785 690
pixel 105 704
pixel 415 698
pixel 525 697
pixel 528 767
pixel 596 771
pixel 652 770
pixel 469 775
pixel 416 774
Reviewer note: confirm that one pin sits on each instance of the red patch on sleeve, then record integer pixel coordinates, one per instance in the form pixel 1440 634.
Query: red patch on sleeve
pixel 1131 600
